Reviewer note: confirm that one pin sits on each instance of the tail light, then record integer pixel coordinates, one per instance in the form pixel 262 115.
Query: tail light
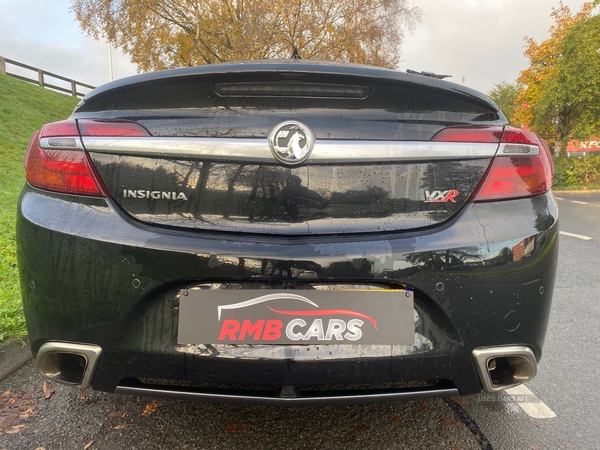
pixel 470 134
pixel 548 154
pixel 56 161
pixel 111 128
pixel 521 168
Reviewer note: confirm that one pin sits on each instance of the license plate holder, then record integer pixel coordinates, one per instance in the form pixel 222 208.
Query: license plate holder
pixel 296 317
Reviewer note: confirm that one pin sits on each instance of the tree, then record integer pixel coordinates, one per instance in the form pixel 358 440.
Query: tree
pixel 505 94
pixel 572 92
pixel 544 58
pixel 161 34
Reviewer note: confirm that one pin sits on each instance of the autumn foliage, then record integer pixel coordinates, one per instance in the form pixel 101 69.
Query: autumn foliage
pixel 541 102
pixel 162 34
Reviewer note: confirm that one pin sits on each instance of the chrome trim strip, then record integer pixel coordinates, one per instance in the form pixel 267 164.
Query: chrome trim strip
pixel 61 143
pixel 514 149
pixel 329 398
pixel 90 352
pixel 257 150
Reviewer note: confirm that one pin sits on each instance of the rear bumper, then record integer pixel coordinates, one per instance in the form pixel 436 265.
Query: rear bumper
pixel 92 275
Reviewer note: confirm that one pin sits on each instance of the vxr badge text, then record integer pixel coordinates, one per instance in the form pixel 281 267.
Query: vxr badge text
pixel 441 196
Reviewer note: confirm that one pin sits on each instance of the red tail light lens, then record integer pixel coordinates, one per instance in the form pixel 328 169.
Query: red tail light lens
pixel 60 170
pixel 56 129
pixel 56 161
pixel 548 155
pixel 111 128
pixel 517 136
pixel 513 174
pixel 514 177
pixel 66 171
pixel 469 134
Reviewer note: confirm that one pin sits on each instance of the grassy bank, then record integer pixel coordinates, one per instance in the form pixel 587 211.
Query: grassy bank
pixel 23 109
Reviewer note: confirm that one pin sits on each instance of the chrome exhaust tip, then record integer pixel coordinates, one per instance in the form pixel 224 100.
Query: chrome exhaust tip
pixel 72 364
pixel 501 368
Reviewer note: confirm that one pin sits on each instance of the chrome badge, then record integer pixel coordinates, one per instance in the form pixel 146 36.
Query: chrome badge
pixel 291 142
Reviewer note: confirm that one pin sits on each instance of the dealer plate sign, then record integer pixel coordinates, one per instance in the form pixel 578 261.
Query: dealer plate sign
pixel 296 317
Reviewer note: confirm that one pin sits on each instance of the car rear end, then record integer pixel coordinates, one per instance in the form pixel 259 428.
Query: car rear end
pixel 287 232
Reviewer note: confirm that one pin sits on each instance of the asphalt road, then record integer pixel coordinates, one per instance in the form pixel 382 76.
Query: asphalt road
pixel 564 392
pixel 567 374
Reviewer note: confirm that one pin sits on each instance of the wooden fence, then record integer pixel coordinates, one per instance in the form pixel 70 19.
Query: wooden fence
pixel 41 80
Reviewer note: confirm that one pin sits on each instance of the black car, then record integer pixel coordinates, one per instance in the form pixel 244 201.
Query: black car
pixel 287 232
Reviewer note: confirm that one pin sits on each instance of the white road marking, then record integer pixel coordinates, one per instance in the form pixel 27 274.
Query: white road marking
pixel 578 236
pixel 580 203
pixel 529 403
pixel 559 198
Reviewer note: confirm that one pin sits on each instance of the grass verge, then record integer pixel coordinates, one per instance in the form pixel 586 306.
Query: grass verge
pixel 576 172
pixel 24 108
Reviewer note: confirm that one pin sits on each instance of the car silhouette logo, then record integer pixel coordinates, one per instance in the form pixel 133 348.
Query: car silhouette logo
pixel 291 142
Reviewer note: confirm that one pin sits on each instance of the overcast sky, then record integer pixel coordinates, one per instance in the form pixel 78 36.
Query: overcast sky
pixel 480 41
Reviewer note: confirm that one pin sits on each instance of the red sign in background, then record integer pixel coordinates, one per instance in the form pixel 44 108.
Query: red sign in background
pixel 575 146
